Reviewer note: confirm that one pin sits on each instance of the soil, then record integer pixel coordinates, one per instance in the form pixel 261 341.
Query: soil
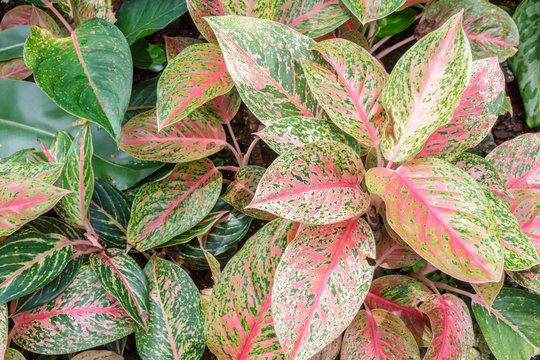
pixel 245 124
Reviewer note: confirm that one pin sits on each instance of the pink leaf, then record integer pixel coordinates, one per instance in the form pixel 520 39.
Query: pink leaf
pixel 199 9
pixel 14 69
pixel 175 45
pixel 17 16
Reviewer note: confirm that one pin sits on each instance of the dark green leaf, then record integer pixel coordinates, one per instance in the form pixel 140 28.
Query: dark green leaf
pixel 117 346
pixel 50 225
pixel 143 98
pixel 12 42
pixel 395 22
pixel 148 56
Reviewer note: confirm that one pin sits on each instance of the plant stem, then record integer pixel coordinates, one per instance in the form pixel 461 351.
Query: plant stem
pixel 389 165
pixel 58 15
pixel 250 150
pixel 235 153
pixel 456 290
pixel 228 168
pixel 379 44
pixel 235 142
pixel 389 49
pixel 46 152
pixel 371 31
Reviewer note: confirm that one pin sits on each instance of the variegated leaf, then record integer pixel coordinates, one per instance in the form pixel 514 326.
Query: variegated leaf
pixel 518 161
pixel 60 145
pixel 526 208
pixel 529 279
pixel 395 255
pixel 262 9
pixel 378 334
pixel 401 295
pixel 424 89
pixel 46 172
pixel 88 74
pixel 242 190
pixel 50 225
pixel 201 228
pixel 271 88
pixel 14 69
pixel 98 355
pixel 78 176
pixel 176 324
pixel 239 323
pixel 83 316
pixel 483 172
pixel 19 15
pixel 213 263
pixel 474 116
pixel 330 352
pixel 29 260
pixel 443 214
pixel 489 291
pixel 490 30
pixel 192 138
pixel 199 9
pixel 453 334
pixel 122 277
pixel 227 105
pixel 82 10
pixel 45 21
pixel 296 131
pixel 12 354
pixel 195 76
pixel 350 91
pixel 312 18
pixel 23 199
pixel 519 250
pixel 323 271
pixel 318 183
pixel 4 329
pixel 175 45
pixel 168 207
pixel 369 10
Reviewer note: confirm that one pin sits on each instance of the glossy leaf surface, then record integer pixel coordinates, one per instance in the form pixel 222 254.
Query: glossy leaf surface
pixel 12 42
pixel 14 69
pixel 199 9
pixel 46 172
pixel 201 228
pixel 4 328
pixel 368 10
pixel 12 354
pixel 396 255
pixel 98 355
pixel 82 10
pixel 526 208
pixel 529 279
pixel 323 271
pixel 175 45
pixel 489 291
pixel 19 15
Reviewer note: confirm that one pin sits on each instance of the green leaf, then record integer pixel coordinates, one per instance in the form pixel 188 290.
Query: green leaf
pixel 29 261
pixel 12 42
pixel 272 89
pixel 82 10
pixel 395 22
pixel 98 355
pixel 140 18
pixel 46 172
pixel 19 15
pixel 4 328
pixel 12 354
pixel 148 56
pixel 122 277
pixel 201 228
pixel 50 225
pixel 368 10
pixel 175 327
pixel 77 176
pixel 143 98
pixel 512 326
pixel 424 89
pixel 489 291
pixel 88 74
pixel 524 63
pixel 168 207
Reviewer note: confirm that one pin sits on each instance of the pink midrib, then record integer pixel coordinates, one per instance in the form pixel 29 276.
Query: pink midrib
pixel 80 311
pixel 321 5
pixel 442 355
pixel 522 181
pixel 81 180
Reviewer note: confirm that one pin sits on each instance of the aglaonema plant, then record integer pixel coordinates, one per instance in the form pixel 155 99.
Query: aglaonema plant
pixel 372 174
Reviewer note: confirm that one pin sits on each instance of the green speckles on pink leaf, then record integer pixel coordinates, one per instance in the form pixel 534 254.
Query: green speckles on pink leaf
pixel 369 10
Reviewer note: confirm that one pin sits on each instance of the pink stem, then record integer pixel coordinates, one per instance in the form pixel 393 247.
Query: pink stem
pixel 235 142
pixel 386 254
pixel 249 151
pixel 58 15
pixel 389 165
pixel 46 152
pixel 379 44
pixel 139 107
pixel 228 168
pixel 456 290
pixel 389 49
pixel 235 153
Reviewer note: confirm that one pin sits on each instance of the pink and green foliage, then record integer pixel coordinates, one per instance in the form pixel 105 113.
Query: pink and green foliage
pixel 98 355
pixel 349 91
pixel 443 214
pixel 330 352
pixel 452 326
pixel 330 261
pixel 14 69
pixel 82 317
pixel 239 322
pixel 529 279
pixel 12 354
pixel 378 334
pixel 4 329
pixel 526 208
pixel 490 30
pixel 195 76
pixel 199 10
pixel 23 199
pixel 81 10
pixel 489 291
pixel 395 255
pixel 194 137
pixel 424 89
pixel 318 183
pixel 175 45
pixel 369 10
pixel 202 228
pixel 168 207
pixel 518 162
pixel 46 172
pixel 474 116
pixel 262 9
pixel 402 296
pixel 17 16
pixel 272 89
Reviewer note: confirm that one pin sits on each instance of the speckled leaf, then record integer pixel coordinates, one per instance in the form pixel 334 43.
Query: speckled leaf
pixel 46 172
pixel 262 9
pixel 168 207
pixel 109 214
pixel 443 214
pixel 402 295
pixel 489 291
pixel 199 9
pixel 474 116
pixel 518 161
pixel 529 279
pixel 175 45
pixel 195 76
pixel 30 260
pixel 349 91
pixel 424 88
pixel 4 329
pixel 368 10
pixel 241 191
pixel 83 316
pixel 323 271
pixel 511 326
pixel 19 15
pixel 490 30
pixel 453 334
pixel 312 18
pixel 192 138
pixel 175 330
pixel 49 225
pixel 318 183
pixel 227 105
pixel 88 74
pixel 78 177
pixel 483 172
pixel 82 10
pixel 239 323
pixel 526 208
pixel 14 69
pixel 519 250
pixel 23 199
pixel 98 355
pixel 12 354
pixel 526 62
pixel 44 20
pixel 264 60
pixel 395 255
pixel 201 228
pixel 378 334
pixel 122 277
pixel 330 352
pixel 213 263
